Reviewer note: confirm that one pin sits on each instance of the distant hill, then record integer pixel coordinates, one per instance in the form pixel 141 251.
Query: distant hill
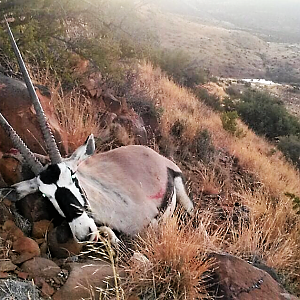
pixel 220 46
pixel 275 20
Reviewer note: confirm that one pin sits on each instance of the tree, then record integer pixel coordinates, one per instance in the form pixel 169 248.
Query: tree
pixel 49 32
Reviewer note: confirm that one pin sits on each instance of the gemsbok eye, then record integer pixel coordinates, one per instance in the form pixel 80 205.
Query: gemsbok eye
pixel 73 174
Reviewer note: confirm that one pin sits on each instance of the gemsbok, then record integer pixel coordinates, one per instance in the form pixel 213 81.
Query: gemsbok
pixel 122 190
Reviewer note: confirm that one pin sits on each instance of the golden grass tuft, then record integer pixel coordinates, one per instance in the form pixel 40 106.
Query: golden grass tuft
pixel 76 115
pixel 171 263
pixel 75 112
pixel 271 234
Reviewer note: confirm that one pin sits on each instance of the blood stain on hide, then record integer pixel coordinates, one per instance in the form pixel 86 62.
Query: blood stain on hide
pixel 158 195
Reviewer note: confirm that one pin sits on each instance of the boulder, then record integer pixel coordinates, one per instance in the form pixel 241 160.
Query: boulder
pixel 7 266
pixel 41 267
pixel 235 279
pixel 23 246
pixel 85 279
pixel 27 248
pixel 16 106
pixel 40 229
pixel 11 168
pixel 134 125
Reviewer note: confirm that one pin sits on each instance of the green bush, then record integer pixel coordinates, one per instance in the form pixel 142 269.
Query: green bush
pixel 296 201
pixel 233 92
pixel 229 121
pixel 266 115
pixel 290 147
pixel 228 104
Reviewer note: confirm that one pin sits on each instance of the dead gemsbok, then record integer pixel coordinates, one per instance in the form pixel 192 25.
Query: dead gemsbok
pixel 124 189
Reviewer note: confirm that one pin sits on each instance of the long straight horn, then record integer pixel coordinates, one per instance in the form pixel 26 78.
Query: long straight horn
pixel 18 143
pixel 47 133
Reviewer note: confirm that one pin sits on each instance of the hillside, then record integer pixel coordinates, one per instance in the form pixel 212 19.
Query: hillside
pixel 225 52
pixel 95 73
pixel 272 20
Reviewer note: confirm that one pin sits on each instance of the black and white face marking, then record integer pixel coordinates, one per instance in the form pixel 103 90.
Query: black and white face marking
pixel 59 183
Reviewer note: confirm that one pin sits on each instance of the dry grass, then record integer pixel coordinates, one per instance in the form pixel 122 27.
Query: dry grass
pixel 170 263
pixel 77 116
pixel 270 234
pixel 272 228
pixel 75 112
pixel 179 105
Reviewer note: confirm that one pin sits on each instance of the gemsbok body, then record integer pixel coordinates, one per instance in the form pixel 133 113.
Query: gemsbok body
pixel 123 190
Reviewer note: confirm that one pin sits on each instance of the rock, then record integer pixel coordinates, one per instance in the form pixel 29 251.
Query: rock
pixel 16 107
pixel 47 290
pixel 22 275
pixel 235 279
pixel 13 232
pixel 3 275
pixel 40 228
pixel 83 280
pixel 287 296
pixel 41 267
pixel 7 266
pixel 94 84
pixel 11 168
pixel 61 242
pixel 112 104
pixel 134 125
pixel 18 290
pixel 26 248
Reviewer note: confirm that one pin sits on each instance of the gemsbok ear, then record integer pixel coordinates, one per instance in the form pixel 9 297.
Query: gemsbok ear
pixel 90 145
pixel 82 153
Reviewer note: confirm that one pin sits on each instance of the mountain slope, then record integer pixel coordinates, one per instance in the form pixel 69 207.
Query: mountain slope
pixel 225 52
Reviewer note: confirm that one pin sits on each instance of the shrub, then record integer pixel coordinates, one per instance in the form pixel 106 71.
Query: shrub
pixel 296 201
pixel 290 147
pixel 228 104
pixel 229 122
pixel 233 92
pixel 266 115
